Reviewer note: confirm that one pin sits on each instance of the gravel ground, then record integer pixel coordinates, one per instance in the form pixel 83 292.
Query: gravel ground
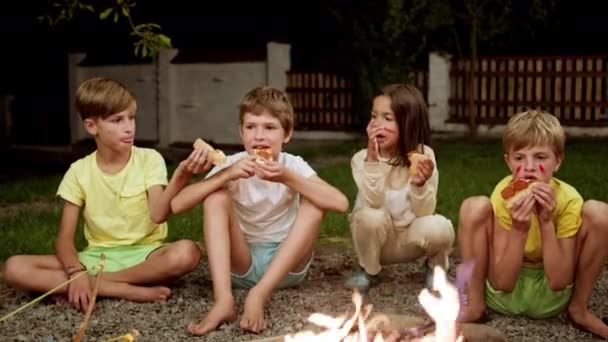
pixel 322 292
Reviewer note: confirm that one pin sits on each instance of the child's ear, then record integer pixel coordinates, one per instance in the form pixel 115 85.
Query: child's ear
pixel 90 126
pixel 288 136
pixel 506 157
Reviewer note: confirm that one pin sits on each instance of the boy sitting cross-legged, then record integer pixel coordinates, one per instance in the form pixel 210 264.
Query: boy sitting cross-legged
pixel 538 253
pixel 262 217
pixel 122 192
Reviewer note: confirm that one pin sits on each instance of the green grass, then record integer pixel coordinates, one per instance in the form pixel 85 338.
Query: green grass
pixel 464 170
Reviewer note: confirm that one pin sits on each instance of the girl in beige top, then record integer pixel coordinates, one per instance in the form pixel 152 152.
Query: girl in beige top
pixel 393 219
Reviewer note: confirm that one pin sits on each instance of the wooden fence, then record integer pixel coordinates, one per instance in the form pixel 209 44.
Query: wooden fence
pixel 575 89
pixel 324 100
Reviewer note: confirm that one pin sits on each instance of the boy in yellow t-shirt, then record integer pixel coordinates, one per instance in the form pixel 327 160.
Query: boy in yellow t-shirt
pixel 124 197
pixel 542 253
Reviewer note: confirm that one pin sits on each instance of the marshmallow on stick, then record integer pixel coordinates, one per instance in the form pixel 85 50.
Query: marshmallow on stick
pixel 217 156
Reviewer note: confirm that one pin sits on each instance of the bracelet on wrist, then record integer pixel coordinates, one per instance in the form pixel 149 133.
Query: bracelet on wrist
pixel 71 270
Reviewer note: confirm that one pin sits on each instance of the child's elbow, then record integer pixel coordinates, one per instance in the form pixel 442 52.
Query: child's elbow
pixel 177 206
pixel 158 218
pixel 342 204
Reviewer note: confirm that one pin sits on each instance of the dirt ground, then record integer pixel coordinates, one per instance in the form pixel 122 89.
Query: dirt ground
pixel 323 292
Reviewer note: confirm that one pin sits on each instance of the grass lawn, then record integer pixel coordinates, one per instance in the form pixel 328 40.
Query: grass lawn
pixel 29 213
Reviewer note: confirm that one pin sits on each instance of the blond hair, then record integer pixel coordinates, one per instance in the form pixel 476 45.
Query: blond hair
pixel 534 128
pixel 276 102
pixel 101 97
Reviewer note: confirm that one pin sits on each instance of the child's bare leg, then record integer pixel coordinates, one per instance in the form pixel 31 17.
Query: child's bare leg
pixel 292 256
pixel 227 250
pixel 591 249
pixel 474 232
pixel 41 273
pixel 165 264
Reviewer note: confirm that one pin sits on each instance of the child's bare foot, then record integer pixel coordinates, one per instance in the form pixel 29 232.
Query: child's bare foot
pixel 147 294
pixel 584 319
pixel 221 312
pixel 253 312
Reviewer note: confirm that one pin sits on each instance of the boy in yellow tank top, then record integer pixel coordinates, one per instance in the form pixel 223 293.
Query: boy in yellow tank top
pixel 124 197
pixel 543 253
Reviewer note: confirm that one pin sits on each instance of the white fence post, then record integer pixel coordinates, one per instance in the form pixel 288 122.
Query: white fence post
pixel 278 62
pixel 439 90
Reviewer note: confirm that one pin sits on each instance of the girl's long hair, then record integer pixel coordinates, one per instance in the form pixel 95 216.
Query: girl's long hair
pixel 412 116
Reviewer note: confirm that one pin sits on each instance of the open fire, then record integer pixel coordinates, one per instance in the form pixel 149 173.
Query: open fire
pixel 359 327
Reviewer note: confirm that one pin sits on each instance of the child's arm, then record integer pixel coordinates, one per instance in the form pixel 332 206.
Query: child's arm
pixel 64 243
pixel 423 194
pixel 159 199
pixel 509 246
pixel 559 258
pixel 317 191
pixel 370 176
pixel 194 194
pixel 79 291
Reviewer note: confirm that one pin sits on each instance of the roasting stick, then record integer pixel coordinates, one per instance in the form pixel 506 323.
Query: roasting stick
pixel 87 315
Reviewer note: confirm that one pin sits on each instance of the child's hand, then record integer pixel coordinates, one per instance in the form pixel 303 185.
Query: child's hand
pixel 244 168
pixel 198 161
pixel 425 171
pixel 372 144
pixel 521 212
pixel 270 170
pixel 545 202
pixel 79 292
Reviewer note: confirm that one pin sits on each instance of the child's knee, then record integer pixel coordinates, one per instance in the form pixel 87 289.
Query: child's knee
pixel 368 219
pixel 477 208
pixel 218 198
pixel 13 270
pixel 437 233
pixel 595 213
pixel 185 256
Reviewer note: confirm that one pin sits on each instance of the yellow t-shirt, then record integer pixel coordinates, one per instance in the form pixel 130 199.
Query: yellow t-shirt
pixel 116 211
pixel 567 217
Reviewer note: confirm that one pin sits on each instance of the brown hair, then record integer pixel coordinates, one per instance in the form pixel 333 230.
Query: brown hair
pixel 101 97
pixel 534 128
pixel 270 99
pixel 412 116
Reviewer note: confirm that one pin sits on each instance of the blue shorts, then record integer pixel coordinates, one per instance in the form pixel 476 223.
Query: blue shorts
pixel 261 257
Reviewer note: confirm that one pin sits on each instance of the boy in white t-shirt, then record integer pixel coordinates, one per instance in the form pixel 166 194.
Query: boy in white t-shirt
pixel 262 217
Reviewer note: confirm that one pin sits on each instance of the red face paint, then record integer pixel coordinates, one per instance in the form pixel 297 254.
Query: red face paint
pixel 541 168
pixel 517 170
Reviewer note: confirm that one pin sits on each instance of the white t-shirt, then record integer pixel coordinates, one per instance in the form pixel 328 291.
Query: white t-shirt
pixel 265 210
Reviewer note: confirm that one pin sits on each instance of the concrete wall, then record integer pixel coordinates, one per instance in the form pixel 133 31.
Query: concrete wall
pixel 178 103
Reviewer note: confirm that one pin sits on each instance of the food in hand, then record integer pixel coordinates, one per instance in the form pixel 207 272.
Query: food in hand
pixel 263 154
pixel 217 156
pixel 415 159
pixel 517 189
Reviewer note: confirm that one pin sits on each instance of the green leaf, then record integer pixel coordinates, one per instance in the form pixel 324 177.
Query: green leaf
pixel 164 40
pixel 115 17
pixel 125 11
pixel 106 13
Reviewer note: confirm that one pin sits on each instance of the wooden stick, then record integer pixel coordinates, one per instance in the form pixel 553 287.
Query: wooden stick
pixel 87 315
pixel 23 307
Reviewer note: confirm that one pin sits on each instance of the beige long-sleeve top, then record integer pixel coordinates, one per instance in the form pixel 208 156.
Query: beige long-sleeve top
pixel 381 185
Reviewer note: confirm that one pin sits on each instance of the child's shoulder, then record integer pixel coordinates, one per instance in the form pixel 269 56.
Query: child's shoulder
pixel 564 191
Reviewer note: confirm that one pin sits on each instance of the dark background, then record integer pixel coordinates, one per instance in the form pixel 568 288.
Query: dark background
pixel 33 59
